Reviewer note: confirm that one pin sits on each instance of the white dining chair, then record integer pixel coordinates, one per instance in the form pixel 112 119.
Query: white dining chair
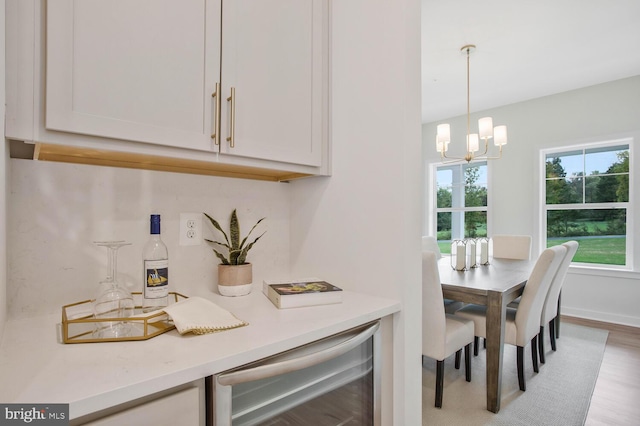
pixel 430 243
pixel 522 325
pixel 550 309
pixel 511 246
pixel 505 246
pixel 442 333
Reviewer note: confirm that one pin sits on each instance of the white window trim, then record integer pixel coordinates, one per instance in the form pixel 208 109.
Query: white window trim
pixel 431 203
pixel 625 271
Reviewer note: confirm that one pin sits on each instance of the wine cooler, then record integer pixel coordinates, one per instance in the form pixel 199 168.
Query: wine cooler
pixel 333 381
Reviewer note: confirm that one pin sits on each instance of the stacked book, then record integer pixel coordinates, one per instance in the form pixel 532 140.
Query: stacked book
pixel 303 292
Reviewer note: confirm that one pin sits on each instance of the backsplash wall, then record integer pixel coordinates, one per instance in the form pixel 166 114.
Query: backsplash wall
pixel 56 211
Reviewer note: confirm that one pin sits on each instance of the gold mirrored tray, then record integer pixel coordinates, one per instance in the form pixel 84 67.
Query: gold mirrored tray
pixel 78 322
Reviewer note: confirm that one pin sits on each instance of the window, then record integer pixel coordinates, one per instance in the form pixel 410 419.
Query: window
pixel 586 193
pixel 461 202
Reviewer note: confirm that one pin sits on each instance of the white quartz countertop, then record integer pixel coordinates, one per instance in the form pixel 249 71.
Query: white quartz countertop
pixel 35 368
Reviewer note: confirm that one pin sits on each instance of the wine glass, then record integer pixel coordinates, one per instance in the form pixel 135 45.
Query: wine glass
pixel 113 301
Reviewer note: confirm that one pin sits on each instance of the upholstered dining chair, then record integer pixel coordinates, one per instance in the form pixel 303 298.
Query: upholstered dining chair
pixel 505 246
pixel 522 325
pixel 442 334
pixel 550 309
pixel 430 243
pixel 511 246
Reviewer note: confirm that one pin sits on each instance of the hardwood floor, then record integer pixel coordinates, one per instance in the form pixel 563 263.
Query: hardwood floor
pixel 616 396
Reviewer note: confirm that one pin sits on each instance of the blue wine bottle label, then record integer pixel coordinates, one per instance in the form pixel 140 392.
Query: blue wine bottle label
pixel 157 279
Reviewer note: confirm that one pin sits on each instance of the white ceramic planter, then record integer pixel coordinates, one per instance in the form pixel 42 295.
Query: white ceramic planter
pixel 235 280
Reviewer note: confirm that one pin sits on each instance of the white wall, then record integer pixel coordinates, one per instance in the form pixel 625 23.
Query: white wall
pixel 596 113
pixel 57 210
pixel 4 159
pixel 361 228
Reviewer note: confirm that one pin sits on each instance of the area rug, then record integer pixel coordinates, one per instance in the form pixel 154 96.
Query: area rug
pixel 558 395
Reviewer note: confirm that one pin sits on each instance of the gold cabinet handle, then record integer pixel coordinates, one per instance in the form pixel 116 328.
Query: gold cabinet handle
pixel 232 125
pixel 216 116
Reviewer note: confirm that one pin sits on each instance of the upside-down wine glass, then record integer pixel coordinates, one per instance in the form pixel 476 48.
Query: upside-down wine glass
pixel 113 300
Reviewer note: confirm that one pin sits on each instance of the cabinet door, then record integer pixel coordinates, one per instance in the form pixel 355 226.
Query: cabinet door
pixel 140 70
pixel 184 407
pixel 273 56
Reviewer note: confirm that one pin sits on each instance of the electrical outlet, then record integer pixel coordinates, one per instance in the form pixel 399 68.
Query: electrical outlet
pixel 190 229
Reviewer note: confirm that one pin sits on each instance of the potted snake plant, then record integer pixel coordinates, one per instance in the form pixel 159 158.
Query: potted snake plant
pixel 235 274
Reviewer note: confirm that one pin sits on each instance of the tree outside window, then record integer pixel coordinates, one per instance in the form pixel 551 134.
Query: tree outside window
pixel 461 202
pixel 587 199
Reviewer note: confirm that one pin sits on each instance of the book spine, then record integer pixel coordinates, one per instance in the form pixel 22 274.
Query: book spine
pixel 302 300
pixel 273 296
pixel 295 302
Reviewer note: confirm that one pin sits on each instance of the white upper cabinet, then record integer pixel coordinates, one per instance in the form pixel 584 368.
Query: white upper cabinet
pixel 141 70
pixel 141 77
pixel 271 54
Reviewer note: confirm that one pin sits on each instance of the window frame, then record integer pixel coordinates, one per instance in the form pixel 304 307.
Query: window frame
pixel 629 206
pixel 432 205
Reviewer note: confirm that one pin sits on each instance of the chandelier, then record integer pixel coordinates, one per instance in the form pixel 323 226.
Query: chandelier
pixel 486 131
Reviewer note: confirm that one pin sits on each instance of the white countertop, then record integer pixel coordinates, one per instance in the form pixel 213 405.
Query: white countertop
pixel 35 368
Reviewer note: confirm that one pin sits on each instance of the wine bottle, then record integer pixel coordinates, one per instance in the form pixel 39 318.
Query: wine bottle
pixel 155 268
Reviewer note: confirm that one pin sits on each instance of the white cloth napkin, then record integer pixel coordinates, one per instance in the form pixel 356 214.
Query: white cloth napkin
pixel 201 316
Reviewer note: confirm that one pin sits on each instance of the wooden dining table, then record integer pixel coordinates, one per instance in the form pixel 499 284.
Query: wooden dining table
pixel 493 285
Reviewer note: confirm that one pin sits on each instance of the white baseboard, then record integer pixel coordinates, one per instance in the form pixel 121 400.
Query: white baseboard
pixel 601 316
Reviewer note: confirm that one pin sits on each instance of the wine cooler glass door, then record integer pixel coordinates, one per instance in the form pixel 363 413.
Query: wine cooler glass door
pixel 328 382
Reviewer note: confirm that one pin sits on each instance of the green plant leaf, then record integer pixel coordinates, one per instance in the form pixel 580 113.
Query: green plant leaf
pixel 219 243
pixel 221 257
pixel 243 255
pixel 217 226
pixel 244 240
pixel 237 250
pixel 233 256
pixel 234 230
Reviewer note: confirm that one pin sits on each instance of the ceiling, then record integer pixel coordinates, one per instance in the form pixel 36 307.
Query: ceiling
pixel 526 49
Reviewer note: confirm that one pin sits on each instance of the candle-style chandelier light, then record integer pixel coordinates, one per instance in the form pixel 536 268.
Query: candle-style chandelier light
pixel 486 131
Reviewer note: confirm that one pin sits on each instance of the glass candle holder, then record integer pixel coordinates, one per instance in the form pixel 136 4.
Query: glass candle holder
pixel 482 245
pixel 459 255
pixel 472 260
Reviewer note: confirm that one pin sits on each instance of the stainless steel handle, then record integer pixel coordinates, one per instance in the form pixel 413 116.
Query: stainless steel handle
pixel 269 370
pixel 216 118
pixel 232 125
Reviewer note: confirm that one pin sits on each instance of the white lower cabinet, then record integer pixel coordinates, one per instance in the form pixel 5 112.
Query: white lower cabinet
pixel 184 406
